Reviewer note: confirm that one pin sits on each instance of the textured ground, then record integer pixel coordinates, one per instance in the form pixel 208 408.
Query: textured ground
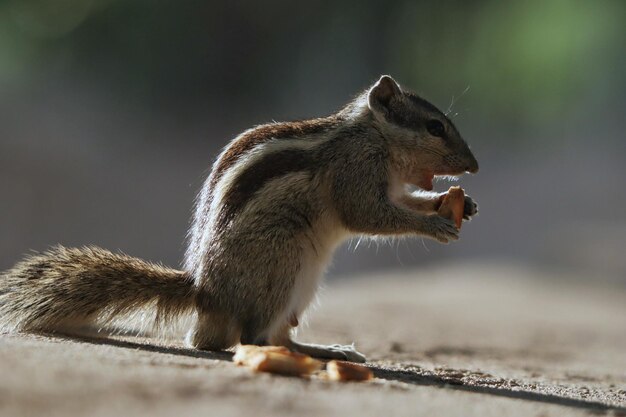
pixel 459 341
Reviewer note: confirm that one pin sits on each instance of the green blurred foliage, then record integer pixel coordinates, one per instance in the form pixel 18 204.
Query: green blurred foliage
pixel 534 57
pixel 524 63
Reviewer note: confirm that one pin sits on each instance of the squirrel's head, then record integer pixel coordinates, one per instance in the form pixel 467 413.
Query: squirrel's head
pixel 423 141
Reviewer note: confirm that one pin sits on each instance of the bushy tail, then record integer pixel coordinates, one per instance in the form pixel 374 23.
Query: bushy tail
pixel 68 288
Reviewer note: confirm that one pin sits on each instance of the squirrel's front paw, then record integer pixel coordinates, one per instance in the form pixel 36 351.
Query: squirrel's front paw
pixel 470 209
pixel 441 229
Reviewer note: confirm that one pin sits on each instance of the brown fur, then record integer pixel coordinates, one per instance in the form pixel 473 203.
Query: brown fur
pixel 254 177
pixel 263 133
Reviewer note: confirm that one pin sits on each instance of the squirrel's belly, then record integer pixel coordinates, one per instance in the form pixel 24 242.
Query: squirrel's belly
pixel 319 247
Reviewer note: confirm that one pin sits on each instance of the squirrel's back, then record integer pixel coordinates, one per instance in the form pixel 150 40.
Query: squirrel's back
pixel 237 164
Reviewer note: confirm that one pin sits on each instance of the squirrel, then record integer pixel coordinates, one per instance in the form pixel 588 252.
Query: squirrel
pixel 279 199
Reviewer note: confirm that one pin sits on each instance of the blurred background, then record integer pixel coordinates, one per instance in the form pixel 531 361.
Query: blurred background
pixel 112 112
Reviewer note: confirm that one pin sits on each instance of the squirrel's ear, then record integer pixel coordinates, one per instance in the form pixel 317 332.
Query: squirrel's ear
pixel 381 94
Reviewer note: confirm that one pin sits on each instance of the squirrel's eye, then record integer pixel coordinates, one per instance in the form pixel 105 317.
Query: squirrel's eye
pixel 435 128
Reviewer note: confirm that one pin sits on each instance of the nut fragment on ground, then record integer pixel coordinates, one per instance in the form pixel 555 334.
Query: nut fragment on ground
pixel 453 205
pixel 346 371
pixel 275 359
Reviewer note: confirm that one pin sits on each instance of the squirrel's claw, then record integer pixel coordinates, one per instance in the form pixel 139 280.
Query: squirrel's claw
pixel 470 208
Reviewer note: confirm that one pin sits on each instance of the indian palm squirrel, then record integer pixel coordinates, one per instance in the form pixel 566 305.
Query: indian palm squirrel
pixel 279 199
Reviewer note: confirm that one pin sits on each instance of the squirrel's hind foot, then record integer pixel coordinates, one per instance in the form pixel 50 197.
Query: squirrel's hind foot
pixel 340 352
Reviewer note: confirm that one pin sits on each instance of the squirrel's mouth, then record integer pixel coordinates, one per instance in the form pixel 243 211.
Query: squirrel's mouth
pixel 426 178
pixel 425 182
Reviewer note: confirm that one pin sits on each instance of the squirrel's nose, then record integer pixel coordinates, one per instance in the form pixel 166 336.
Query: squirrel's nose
pixel 471 164
pixel 472 167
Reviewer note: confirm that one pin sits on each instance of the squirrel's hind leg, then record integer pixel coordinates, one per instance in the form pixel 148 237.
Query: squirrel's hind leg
pixel 213 331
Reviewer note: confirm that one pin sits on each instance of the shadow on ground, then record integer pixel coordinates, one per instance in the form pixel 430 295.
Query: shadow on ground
pixel 445 378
